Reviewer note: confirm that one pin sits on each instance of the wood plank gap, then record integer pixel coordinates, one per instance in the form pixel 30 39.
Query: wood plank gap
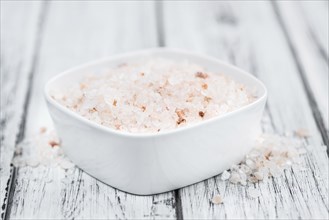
pixel 313 104
pixel 21 132
pixel 10 190
pixel 322 52
pixel 178 205
pixel 159 23
pixel 9 183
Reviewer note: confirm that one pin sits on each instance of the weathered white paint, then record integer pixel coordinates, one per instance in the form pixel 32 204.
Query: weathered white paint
pixel 76 32
pixel 316 16
pixel 18 44
pixel 308 42
pixel 250 36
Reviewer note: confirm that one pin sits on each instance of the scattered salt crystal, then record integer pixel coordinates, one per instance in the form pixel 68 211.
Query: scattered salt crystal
pixel 41 149
pixel 289 162
pixel 271 155
pixel 243 182
pixel 235 167
pixel 245 169
pixel 235 178
pixel 252 179
pixel 250 163
pixel 243 178
pixel 253 193
pixel 302 133
pixel 43 130
pixel 259 175
pixel 19 162
pixel 18 150
pixel 32 162
pixel 53 143
pixel 291 153
pixel 217 199
pixel 225 175
pixel 45 162
pixel 65 164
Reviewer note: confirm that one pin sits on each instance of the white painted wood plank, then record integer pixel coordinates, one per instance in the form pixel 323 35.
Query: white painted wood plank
pixel 19 27
pixel 316 15
pixel 76 32
pixel 309 34
pixel 249 35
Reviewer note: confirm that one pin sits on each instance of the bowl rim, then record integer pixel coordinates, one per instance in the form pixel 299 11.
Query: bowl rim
pixel 69 112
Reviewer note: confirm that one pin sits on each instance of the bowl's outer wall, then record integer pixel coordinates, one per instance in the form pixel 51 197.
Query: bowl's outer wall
pixel 159 163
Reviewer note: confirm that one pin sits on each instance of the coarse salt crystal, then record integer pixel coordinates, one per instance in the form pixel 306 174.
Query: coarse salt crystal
pixel 217 199
pixel 225 175
pixel 43 130
pixel 65 164
pixel 271 155
pixel 302 133
pixel 132 98
pixel 259 175
pixel 42 149
pixel 235 178
pixel 289 162
pixel 32 162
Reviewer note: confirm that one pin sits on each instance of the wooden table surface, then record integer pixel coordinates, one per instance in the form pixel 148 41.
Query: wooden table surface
pixel 285 44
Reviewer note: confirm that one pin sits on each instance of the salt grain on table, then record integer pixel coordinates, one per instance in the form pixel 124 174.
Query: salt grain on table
pixel 225 175
pixel 32 162
pixel 43 149
pixel 271 155
pixel 217 199
pixel 302 133
pixel 65 164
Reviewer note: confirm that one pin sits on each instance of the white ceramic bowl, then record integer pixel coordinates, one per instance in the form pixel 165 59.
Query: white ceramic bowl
pixel 154 163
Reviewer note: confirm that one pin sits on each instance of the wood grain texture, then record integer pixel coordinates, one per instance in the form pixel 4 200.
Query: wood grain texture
pixel 76 32
pixel 316 16
pixel 18 51
pixel 250 36
pixel 310 52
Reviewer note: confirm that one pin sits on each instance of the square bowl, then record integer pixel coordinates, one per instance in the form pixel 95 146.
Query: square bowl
pixel 151 163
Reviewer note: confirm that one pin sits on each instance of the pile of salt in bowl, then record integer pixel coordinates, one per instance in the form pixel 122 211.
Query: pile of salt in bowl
pixel 153 95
